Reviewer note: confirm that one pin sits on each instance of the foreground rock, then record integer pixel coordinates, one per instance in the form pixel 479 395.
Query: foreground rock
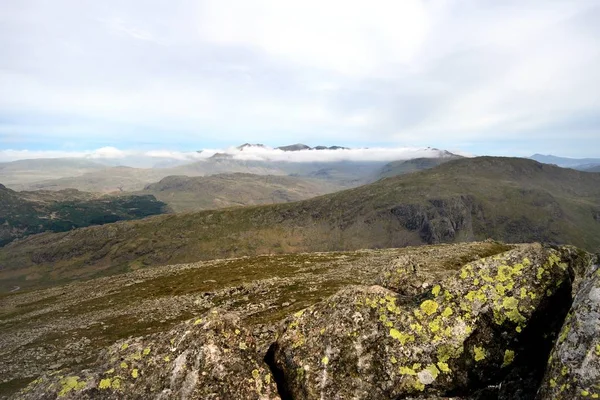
pixel 211 357
pixel 492 323
pixel 574 364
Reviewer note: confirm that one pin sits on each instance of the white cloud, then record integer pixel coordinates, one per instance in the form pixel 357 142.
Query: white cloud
pixel 141 158
pixel 444 73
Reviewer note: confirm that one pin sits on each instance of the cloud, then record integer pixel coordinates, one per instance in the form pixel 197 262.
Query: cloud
pixel 255 153
pixel 484 76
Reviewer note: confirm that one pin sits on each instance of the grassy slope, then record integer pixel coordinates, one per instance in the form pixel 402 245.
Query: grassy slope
pixel 184 193
pixel 513 200
pixel 409 166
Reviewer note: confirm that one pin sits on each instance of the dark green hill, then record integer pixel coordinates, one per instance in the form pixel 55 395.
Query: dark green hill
pixel 509 199
pixel 27 213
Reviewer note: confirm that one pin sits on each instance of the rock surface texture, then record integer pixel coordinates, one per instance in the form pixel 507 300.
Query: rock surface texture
pixel 439 324
pixel 482 333
pixel 574 364
pixel 211 357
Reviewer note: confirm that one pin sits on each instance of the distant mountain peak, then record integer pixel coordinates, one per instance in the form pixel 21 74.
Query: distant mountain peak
pixel 295 147
pixel 251 145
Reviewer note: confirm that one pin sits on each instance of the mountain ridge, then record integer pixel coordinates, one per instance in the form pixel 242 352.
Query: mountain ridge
pixel 508 199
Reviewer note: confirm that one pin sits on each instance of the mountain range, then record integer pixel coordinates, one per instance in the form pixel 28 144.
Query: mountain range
pixel 509 199
pixel 581 164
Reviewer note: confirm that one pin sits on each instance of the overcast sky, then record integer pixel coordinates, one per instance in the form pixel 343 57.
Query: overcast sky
pixel 484 77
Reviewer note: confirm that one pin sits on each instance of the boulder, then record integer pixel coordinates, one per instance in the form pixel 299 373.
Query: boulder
pixel 574 364
pixel 211 357
pixel 483 333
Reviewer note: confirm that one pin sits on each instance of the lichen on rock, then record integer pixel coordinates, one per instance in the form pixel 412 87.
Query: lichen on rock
pixel 467 332
pixel 574 364
pixel 193 361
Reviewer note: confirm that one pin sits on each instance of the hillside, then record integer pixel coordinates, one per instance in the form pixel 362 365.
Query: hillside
pixel 23 172
pixel 418 164
pixel 593 169
pixel 127 179
pixel 184 193
pixel 509 199
pixel 575 163
pixel 27 213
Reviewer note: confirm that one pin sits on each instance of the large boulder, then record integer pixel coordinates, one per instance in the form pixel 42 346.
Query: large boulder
pixel 211 357
pixel 493 322
pixel 574 364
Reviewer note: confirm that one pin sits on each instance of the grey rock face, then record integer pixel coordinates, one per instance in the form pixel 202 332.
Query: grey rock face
pixel 211 357
pixel 464 337
pixel 574 364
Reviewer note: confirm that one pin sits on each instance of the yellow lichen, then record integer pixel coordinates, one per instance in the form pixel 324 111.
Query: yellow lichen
pixel 105 384
pixel 429 307
pixel 401 336
pixel 146 351
pixel 509 356
pixel 70 383
pixel 325 360
pixel 435 372
pixel 436 290
pixel 479 353
pixel 444 367
pixel 256 373
pixel 407 371
pixel 134 373
pixel 198 321
pixel 447 312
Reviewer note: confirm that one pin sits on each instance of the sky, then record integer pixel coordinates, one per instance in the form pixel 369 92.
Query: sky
pixel 509 77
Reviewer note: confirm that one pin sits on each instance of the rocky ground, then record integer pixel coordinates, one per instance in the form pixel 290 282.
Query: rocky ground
pixel 469 321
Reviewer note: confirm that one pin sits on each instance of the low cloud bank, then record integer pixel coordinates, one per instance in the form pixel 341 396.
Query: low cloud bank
pixel 249 153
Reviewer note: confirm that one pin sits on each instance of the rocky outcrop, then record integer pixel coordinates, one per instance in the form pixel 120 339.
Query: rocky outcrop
pixel 486 330
pixel 211 357
pixel 444 322
pixel 574 364
pixel 440 220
